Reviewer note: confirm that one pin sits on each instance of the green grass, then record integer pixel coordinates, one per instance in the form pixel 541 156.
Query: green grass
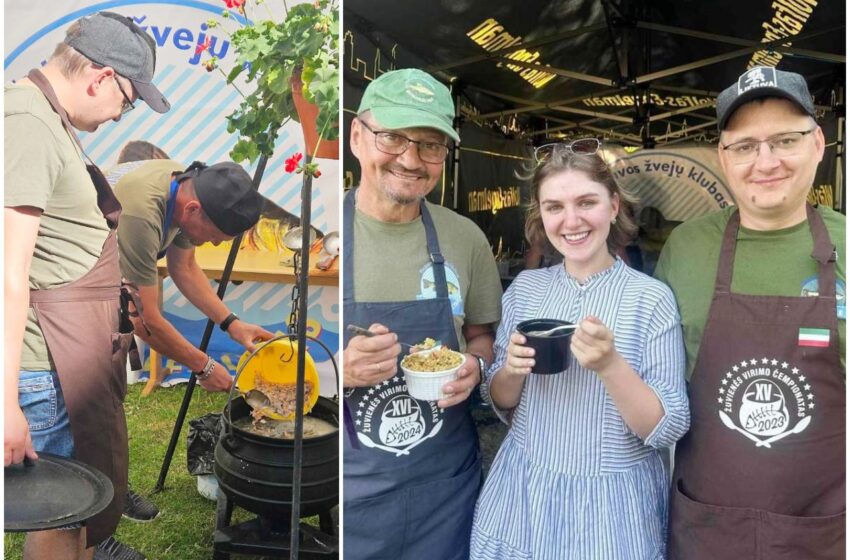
pixel 184 528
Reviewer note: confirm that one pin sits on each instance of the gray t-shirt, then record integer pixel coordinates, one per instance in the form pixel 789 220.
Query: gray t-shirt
pixel 391 263
pixel 44 169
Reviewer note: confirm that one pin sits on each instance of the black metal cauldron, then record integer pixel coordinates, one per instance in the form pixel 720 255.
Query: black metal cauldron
pixel 255 471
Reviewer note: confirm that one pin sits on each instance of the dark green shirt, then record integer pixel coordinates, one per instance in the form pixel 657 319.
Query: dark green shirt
pixel 773 263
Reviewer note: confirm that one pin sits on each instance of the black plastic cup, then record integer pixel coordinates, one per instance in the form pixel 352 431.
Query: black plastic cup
pixel 551 352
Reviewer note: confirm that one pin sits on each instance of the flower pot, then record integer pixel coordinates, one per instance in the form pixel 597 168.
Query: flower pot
pixel 307 113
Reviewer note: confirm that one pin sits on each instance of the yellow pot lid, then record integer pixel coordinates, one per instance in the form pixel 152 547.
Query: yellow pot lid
pixel 277 363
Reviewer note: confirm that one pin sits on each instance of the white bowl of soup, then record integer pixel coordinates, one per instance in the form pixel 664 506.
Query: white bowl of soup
pixel 427 371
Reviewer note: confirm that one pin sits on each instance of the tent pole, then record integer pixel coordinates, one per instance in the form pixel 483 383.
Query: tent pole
pixel 456 149
pixel 839 202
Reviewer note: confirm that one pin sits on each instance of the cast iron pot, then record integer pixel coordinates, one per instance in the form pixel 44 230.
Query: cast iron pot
pixel 255 471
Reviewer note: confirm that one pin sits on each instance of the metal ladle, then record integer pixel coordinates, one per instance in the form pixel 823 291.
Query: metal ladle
pixel 330 251
pixel 292 241
pixel 292 238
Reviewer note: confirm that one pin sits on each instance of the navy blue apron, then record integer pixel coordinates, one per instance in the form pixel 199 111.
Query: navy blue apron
pixel 412 478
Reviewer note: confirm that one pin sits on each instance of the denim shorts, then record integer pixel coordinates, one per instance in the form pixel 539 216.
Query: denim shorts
pixel 41 400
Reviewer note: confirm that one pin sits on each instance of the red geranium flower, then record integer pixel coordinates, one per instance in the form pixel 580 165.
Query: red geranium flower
pixel 291 163
pixel 203 46
pixel 234 3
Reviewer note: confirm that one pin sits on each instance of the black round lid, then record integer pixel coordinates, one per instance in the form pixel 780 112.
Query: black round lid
pixel 51 492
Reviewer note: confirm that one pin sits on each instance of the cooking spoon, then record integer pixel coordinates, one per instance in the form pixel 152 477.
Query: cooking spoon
pixel 356 330
pixel 550 331
pixel 731 425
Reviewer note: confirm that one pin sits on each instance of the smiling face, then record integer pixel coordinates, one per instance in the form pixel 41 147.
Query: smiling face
pixel 396 179
pixel 576 214
pixel 771 191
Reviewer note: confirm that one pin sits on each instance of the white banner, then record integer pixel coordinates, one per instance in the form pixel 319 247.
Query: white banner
pixel 194 129
pixel 681 182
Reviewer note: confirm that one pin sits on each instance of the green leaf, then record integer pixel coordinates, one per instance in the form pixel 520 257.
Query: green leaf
pixel 234 72
pixel 305 41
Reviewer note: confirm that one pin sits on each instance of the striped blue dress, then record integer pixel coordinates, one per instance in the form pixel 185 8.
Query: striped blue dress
pixel 571 480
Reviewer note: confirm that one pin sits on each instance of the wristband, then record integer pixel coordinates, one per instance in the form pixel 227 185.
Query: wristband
pixel 482 365
pixel 227 321
pixel 205 373
pixel 483 387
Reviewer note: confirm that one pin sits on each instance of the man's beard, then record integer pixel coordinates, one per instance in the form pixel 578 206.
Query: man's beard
pixel 401 197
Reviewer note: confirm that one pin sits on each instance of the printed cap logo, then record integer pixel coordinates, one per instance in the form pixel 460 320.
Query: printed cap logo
pixel 419 90
pixel 759 77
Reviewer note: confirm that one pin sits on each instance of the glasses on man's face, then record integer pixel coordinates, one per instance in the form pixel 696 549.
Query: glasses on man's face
pixel 396 144
pixel 126 105
pixel 781 145
pixel 582 146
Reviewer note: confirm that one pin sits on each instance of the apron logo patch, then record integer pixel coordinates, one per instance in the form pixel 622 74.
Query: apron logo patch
pixel 428 286
pixel 810 289
pixel 765 400
pixel 388 419
pixel 813 337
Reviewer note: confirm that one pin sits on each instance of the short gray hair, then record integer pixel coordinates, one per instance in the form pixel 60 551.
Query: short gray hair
pixel 68 59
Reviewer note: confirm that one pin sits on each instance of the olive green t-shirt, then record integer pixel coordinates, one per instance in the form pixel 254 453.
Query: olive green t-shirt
pixel 143 193
pixel 391 263
pixel 772 263
pixel 44 169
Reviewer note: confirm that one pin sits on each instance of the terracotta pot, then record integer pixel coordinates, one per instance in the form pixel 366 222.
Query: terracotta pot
pixel 307 113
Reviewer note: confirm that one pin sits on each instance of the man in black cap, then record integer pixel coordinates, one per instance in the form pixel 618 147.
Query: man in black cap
pixel 760 288
pixel 168 212
pixel 63 395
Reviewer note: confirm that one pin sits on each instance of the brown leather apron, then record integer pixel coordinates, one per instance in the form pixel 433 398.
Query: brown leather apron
pixel 760 474
pixel 80 323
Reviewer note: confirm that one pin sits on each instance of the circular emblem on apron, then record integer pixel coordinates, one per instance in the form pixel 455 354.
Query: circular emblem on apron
pixel 388 419
pixel 763 411
pixel 401 421
pixel 765 400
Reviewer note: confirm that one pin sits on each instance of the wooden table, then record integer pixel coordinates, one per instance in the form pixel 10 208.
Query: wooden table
pixel 251 266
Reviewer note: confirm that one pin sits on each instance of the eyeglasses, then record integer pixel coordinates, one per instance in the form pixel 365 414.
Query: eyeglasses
pixel 126 105
pixel 582 146
pixel 781 145
pixel 396 144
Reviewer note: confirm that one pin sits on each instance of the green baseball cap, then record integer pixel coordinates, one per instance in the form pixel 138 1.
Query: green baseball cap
pixel 410 98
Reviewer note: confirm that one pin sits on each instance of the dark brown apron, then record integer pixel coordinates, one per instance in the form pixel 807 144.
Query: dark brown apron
pixel 80 323
pixel 760 474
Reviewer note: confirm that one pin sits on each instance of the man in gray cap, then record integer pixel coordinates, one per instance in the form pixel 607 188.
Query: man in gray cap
pixel 62 338
pixel 760 288
pixel 168 212
pixel 413 270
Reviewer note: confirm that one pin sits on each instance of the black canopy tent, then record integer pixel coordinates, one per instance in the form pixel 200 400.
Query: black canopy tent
pixel 637 73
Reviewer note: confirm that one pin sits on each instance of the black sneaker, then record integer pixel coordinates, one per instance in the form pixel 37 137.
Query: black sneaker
pixel 110 549
pixel 137 508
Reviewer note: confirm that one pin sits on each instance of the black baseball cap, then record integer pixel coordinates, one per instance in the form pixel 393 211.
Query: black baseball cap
pixel 226 194
pixel 763 81
pixel 114 40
